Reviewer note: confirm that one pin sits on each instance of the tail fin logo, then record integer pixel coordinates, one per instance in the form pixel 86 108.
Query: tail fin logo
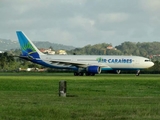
pixel 27 47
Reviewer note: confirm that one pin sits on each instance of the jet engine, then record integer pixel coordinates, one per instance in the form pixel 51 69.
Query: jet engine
pixel 94 69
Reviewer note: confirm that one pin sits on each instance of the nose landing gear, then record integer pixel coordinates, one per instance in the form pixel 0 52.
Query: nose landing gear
pixel 138 73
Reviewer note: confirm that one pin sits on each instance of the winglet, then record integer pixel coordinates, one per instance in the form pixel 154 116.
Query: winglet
pixel 27 47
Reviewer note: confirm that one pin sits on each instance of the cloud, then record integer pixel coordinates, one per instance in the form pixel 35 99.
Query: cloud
pixel 81 22
pixel 112 18
pixel 151 5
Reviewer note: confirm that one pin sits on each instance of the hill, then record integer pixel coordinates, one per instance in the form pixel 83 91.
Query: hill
pixel 146 49
pixel 10 44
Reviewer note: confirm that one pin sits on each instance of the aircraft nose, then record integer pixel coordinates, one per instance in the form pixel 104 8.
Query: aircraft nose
pixel 152 63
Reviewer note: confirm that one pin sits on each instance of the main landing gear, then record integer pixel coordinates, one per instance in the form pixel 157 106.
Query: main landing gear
pixel 78 73
pixel 82 73
pixel 118 71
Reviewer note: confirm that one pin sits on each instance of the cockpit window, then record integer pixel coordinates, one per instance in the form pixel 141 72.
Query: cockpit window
pixel 147 60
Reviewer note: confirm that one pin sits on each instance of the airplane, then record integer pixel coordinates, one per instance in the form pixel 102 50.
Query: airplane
pixel 81 64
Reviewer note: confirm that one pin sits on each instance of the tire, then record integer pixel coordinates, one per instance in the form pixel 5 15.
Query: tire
pixel 75 74
pixel 81 74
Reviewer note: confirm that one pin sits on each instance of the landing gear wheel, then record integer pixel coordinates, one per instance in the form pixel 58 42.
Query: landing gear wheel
pixel 92 74
pixel 76 74
pixel 89 74
pixel 81 74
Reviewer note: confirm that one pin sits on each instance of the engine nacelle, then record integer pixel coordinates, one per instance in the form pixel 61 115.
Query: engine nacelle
pixel 94 69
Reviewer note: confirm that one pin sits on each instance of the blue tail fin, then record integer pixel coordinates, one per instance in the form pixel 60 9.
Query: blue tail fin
pixel 27 47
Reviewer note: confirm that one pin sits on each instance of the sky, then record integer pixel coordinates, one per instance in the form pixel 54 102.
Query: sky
pixel 81 22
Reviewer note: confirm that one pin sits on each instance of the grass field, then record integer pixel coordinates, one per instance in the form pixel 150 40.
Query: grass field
pixel 26 96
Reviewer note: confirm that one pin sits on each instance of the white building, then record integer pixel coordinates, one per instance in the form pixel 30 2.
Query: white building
pixel 48 51
pixel 62 52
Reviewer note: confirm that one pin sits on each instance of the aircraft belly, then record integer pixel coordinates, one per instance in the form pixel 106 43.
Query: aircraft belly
pixel 121 65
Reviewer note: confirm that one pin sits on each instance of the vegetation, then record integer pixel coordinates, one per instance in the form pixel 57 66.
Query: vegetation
pixel 150 50
pixel 6 62
pixel 112 97
pixel 145 49
pixel 10 63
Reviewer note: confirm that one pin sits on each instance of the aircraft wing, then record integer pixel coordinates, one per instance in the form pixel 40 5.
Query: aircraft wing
pixel 75 63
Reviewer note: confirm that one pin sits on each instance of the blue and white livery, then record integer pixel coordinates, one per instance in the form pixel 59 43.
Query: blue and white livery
pixel 88 64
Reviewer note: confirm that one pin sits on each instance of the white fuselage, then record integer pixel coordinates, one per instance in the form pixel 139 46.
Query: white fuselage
pixel 106 62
